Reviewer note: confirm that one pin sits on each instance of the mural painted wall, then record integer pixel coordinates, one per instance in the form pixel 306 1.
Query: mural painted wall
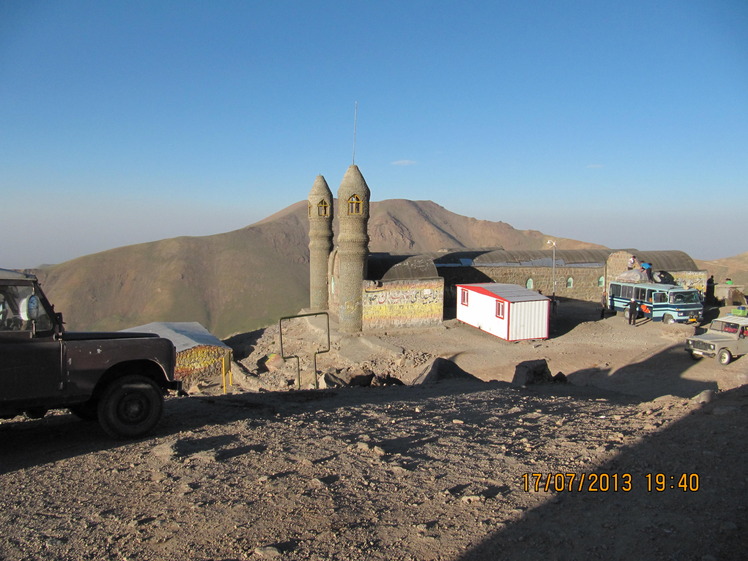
pixel 402 303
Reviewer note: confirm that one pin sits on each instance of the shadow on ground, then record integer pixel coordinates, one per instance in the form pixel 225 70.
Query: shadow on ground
pixel 60 435
pixel 659 374
pixel 707 520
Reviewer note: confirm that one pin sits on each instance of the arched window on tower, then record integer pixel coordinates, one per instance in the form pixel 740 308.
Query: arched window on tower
pixel 354 205
pixel 570 282
pixel 323 209
pixel 601 281
pixel 529 285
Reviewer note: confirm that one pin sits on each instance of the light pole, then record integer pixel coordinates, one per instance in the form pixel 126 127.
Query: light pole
pixel 553 243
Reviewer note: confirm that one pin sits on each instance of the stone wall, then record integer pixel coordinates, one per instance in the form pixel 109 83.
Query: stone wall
pixel 617 263
pixel 402 303
pixel 580 283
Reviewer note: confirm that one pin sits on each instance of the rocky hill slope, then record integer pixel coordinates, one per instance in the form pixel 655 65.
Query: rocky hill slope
pixel 735 268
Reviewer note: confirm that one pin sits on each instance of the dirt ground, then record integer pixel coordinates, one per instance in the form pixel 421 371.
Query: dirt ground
pixel 640 455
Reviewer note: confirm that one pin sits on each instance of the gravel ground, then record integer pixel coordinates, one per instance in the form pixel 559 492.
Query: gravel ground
pixel 427 472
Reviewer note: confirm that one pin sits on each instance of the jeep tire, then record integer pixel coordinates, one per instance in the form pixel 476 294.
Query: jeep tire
pixel 724 356
pixel 130 406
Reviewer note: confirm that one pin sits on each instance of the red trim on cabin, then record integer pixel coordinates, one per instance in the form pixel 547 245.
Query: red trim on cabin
pixel 481 290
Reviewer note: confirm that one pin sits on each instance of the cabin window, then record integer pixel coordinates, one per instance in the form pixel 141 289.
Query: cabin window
pixel 323 209
pixel 601 281
pixel 529 285
pixel 570 282
pixel 464 297
pixel 499 309
pixel 355 205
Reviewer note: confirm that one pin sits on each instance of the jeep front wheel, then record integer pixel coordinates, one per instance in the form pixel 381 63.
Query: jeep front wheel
pixel 130 407
pixel 724 357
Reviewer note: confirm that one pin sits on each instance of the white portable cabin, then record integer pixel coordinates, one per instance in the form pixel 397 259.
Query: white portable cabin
pixel 508 311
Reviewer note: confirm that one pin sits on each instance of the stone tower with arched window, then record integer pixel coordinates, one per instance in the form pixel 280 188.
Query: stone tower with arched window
pixel 352 248
pixel 320 241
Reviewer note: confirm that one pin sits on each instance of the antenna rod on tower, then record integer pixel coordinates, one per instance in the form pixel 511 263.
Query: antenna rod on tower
pixel 355 122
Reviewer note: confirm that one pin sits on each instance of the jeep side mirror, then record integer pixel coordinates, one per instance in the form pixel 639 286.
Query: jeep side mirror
pixel 59 329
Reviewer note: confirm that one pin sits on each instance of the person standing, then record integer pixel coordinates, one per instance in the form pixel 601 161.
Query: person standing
pixel 631 263
pixel 647 268
pixel 603 304
pixel 633 311
pixel 709 296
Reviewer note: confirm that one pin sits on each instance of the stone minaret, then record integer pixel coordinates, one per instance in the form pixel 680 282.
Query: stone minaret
pixel 353 247
pixel 320 241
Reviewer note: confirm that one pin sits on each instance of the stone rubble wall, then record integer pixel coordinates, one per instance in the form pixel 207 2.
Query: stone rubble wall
pixel 402 303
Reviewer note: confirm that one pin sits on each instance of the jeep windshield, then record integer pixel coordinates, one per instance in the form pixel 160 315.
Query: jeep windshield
pixel 20 307
pixel 724 327
pixel 684 298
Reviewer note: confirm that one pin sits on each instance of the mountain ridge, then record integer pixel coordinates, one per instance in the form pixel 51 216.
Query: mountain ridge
pixel 242 280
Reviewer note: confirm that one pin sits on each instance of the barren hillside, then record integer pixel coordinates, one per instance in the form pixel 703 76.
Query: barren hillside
pixel 735 268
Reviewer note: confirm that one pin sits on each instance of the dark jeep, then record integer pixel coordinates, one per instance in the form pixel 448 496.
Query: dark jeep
pixel 118 378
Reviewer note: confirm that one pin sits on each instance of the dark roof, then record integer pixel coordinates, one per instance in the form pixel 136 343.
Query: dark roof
pixel 544 258
pixel 667 260
pixel 389 266
pixel 458 257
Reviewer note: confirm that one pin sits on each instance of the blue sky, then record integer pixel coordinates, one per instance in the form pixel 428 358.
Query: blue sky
pixel 620 123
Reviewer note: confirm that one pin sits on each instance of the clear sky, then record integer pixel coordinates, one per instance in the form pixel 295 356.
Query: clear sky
pixel 620 123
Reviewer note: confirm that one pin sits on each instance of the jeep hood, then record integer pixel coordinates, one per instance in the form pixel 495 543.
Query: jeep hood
pixel 711 337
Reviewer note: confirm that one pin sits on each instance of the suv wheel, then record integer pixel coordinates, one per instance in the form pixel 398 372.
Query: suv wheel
pixel 130 407
pixel 724 356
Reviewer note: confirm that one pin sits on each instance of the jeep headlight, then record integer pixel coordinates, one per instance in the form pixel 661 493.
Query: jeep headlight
pixel 711 347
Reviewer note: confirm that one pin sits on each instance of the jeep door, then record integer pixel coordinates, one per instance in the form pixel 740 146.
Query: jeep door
pixel 30 367
pixel 742 346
